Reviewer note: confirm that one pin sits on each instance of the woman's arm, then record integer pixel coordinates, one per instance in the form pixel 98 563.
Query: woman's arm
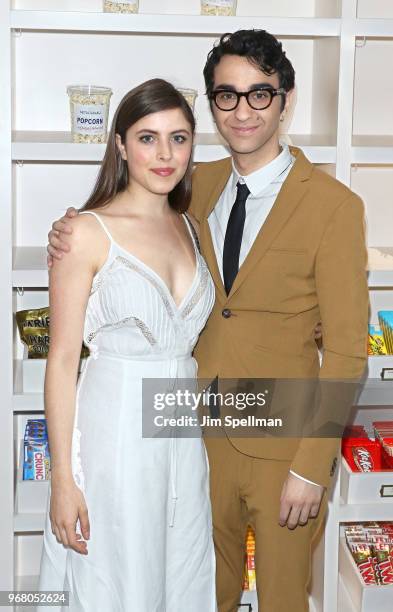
pixel 69 287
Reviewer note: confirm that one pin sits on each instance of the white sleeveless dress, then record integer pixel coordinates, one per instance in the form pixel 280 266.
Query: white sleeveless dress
pixel 151 546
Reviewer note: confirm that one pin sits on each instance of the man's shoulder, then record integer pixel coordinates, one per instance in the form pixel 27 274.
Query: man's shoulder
pixel 205 177
pixel 331 192
pixel 204 170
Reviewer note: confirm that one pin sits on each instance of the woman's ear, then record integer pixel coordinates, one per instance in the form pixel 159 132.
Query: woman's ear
pixel 120 146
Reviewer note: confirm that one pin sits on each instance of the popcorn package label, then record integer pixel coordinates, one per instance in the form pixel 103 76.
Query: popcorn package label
pixel 89 118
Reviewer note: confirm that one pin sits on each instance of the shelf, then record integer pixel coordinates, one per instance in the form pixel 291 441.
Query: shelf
pixel 360 488
pixel 68 21
pixel 24 402
pixel 380 278
pixel 370 149
pixel 29 267
pixel 363 597
pixel 29 522
pixel 58 146
pixel 250 597
pixel 381 267
pixel 26 583
pixel 365 512
pixel 374 28
pixel 345 604
pixel 376 393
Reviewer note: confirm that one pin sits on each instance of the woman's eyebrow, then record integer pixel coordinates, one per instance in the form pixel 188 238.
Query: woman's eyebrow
pixel 155 132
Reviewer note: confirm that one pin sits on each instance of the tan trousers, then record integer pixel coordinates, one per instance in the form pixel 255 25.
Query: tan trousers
pixel 246 490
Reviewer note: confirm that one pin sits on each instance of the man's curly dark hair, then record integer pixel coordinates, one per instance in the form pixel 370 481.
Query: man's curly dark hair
pixel 262 49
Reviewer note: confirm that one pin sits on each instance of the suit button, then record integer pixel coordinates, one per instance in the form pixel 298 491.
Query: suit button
pixel 226 313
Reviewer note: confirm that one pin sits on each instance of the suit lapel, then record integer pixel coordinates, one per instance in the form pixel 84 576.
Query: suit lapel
pixel 220 180
pixel 289 197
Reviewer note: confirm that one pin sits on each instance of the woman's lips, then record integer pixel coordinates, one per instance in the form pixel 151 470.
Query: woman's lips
pixel 163 171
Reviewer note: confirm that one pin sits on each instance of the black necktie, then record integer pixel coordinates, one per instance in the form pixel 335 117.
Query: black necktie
pixel 233 236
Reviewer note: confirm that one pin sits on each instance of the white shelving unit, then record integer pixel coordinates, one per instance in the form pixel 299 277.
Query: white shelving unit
pixel 340 123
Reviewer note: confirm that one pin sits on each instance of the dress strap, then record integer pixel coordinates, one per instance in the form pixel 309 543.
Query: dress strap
pixel 100 221
pixel 193 232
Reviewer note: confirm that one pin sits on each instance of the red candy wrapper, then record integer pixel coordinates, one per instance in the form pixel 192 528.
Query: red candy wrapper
pixel 384 568
pixel 362 454
pixel 363 559
pixel 384 433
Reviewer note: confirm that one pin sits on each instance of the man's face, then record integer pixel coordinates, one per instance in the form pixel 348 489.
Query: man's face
pixel 246 130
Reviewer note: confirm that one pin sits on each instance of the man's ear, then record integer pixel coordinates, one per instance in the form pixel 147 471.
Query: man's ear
pixel 120 146
pixel 288 100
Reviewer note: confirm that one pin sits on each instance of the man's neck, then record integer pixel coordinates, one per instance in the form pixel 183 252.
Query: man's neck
pixel 246 163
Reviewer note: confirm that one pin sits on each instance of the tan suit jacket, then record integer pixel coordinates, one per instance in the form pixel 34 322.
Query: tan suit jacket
pixel 307 264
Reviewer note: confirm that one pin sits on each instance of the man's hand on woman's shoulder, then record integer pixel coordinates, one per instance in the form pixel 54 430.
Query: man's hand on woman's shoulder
pixel 58 236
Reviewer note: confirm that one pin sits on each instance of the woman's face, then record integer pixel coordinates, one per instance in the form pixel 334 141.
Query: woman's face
pixel 157 149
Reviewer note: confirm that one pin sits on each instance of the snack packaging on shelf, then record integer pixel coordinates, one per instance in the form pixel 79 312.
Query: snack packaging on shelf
pixel 376 342
pixel 371 546
pixel 190 95
pixel 33 326
pixel 223 8
pixel 385 318
pixel 361 553
pixel 384 433
pixel 362 453
pixel 89 106
pixel 249 583
pixel 121 6
pixel 36 464
pixel 384 564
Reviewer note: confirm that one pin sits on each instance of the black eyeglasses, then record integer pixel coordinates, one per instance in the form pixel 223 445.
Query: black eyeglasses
pixel 258 99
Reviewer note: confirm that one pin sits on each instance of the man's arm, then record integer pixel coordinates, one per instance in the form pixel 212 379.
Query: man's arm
pixel 341 283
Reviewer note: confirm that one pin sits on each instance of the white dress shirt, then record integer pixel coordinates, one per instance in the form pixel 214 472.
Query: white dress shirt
pixel 264 185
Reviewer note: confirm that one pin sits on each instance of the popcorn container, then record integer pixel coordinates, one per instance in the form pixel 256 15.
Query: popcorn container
pixel 190 95
pixel 223 8
pixel 89 112
pixel 121 6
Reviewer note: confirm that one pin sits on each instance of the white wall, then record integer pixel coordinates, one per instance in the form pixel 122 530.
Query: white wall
pixel 373 88
pixel 375 8
pixel 284 8
pixel 45 63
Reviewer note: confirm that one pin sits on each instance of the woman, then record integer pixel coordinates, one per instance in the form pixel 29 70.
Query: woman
pixel 129 522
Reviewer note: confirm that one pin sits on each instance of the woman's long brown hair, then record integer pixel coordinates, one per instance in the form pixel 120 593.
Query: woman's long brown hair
pixel 150 97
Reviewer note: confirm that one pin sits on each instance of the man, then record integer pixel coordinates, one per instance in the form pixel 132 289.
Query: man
pixel 285 245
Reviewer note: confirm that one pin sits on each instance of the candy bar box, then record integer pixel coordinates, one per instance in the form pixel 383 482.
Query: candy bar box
pixel 366 474
pixel 365 565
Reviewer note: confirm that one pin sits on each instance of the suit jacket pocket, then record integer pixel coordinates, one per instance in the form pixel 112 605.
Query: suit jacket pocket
pixel 288 251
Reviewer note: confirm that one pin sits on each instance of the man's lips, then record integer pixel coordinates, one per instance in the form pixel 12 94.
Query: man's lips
pixel 163 171
pixel 241 129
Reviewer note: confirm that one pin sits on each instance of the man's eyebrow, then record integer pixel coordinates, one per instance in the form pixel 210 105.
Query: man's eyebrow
pixel 228 87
